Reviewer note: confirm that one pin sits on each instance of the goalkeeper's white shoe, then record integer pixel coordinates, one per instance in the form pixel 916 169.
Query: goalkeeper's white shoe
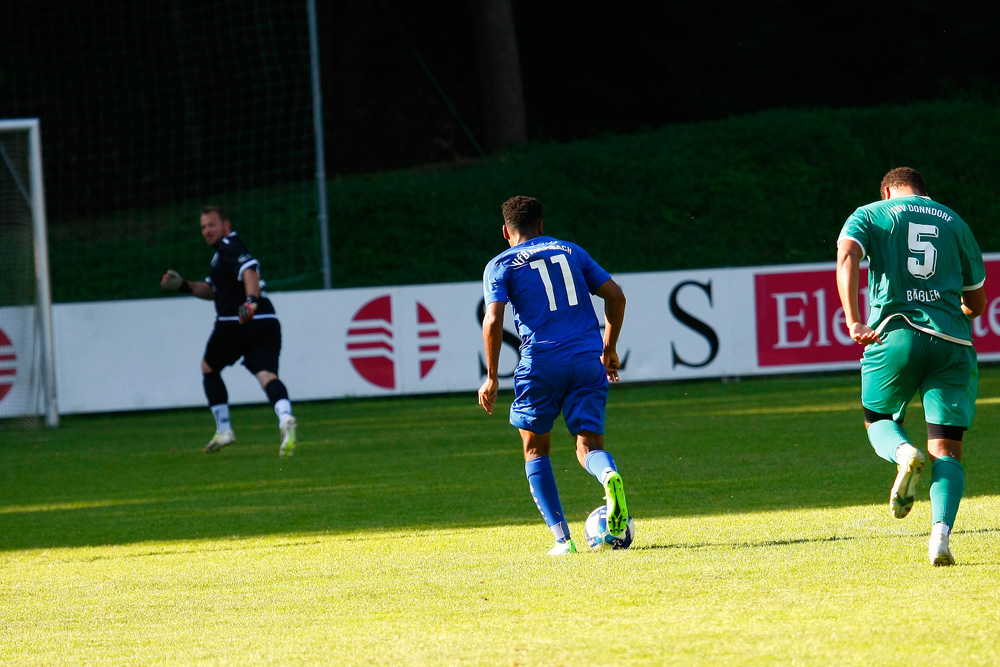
pixel 287 436
pixel 904 489
pixel 220 440
pixel 937 548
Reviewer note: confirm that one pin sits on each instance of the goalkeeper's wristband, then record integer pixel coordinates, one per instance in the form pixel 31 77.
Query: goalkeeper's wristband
pixel 185 288
pixel 251 299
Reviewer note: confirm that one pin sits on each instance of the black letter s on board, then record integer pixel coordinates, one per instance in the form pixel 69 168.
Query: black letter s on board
pixel 693 323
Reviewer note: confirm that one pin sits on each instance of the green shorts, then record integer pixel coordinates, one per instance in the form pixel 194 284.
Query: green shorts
pixel 946 374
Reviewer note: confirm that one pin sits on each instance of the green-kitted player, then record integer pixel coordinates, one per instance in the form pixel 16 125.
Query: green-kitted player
pixel 925 281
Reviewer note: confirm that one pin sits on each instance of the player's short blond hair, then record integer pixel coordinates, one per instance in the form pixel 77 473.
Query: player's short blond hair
pixel 218 210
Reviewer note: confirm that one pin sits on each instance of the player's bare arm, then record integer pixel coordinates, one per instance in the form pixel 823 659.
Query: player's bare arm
pixel 173 282
pixel 614 315
pixel 848 277
pixel 974 302
pixel 492 340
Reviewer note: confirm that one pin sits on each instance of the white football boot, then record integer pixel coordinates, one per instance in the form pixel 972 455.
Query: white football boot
pixel 910 463
pixel 937 548
pixel 563 548
pixel 287 436
pixel 220 440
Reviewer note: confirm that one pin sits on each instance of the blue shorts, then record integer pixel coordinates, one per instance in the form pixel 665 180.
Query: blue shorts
pixel 579 391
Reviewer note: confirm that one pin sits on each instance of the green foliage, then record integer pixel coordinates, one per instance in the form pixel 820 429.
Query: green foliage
pixel 770 188
pixel 403 533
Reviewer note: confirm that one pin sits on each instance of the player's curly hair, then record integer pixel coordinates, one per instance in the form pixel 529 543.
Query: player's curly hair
pixel 904 177
pixel 522 214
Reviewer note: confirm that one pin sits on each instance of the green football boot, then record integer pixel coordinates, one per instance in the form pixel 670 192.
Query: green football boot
pixel 614 493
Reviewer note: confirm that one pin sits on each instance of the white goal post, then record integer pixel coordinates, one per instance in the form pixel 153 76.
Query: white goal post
pixel 27 366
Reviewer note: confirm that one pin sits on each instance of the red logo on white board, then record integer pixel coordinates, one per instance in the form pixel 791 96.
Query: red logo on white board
pixel 373 344
pixel 8 364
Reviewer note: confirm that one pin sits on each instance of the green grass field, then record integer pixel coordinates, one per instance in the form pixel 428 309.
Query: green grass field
pixel 403 534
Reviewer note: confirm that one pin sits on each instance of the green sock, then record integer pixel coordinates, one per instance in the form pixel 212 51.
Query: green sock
pixel 886 436
pixel 947 487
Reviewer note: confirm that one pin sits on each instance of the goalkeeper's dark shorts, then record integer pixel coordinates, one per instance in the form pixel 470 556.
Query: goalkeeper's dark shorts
pixel 258 342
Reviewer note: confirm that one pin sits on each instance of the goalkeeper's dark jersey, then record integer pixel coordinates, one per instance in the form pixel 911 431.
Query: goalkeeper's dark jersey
pixel 231 260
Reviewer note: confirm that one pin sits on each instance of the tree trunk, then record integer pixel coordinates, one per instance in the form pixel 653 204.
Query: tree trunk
pixel 500 75
pixel 349 74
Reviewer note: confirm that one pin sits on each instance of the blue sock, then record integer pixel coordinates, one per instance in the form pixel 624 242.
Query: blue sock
pixel 886 436
pixel 947 487
pixel 597 462
pixel 542 483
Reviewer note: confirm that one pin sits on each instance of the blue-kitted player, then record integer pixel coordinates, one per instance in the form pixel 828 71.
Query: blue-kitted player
pixel 565 364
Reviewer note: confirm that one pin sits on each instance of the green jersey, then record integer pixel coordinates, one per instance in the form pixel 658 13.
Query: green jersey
pixel 921 257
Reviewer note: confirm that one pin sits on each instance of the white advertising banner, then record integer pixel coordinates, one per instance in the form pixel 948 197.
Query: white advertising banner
pixel 379 341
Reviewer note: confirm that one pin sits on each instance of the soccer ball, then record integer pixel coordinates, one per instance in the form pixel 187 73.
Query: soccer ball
pixel 598 537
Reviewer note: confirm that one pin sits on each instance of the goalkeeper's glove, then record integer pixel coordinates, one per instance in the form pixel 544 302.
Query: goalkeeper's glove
pixel 247 310
pixel 173 282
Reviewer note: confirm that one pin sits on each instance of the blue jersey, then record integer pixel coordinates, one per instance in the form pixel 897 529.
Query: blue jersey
pixel 548 284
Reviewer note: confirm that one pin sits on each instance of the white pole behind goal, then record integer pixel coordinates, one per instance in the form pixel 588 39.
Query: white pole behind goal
pixel 42 281
pixel 317 100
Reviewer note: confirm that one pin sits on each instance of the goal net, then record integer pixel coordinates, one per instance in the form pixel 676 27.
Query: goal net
pixel 27 389
pixel 152 110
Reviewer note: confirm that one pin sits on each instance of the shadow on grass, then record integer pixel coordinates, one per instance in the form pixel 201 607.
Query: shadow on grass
pixel 685 450
pixel 919 533
pixel 743 544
